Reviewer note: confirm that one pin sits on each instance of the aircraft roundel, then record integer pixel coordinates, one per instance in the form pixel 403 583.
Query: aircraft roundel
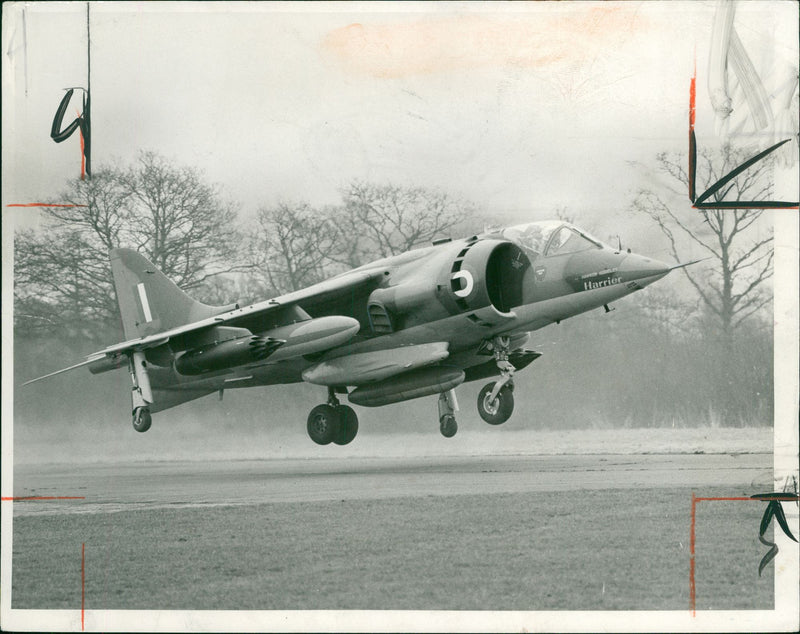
pixel 469 283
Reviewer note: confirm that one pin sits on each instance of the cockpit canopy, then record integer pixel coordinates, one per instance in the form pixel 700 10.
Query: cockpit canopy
pixel 550 237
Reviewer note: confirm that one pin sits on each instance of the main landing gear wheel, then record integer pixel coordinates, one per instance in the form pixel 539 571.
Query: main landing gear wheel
pixel 142 419
pixel 497 411
pixel 448 425
pixel 323 424
pixel 348 425
pixel 332 422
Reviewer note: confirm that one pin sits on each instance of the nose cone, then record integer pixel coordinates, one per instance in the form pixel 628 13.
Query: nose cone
pixel 642 270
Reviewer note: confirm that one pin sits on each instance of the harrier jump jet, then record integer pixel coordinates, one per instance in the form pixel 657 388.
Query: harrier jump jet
pixel 412 325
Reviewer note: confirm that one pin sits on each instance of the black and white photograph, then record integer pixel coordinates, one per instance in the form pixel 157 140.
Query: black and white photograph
pixel 400 316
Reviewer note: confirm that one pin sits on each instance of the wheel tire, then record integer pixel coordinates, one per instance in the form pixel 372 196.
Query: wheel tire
pixel 142 419
pixel 348 425
pixel 498 412
pixel 323 424
pixel 448 426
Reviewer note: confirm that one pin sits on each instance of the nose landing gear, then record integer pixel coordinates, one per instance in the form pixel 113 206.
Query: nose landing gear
pixel 332 422
pixel 496 400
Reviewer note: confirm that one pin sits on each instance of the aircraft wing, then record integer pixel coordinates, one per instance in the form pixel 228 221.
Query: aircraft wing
pixel 341 284
pixel 336 286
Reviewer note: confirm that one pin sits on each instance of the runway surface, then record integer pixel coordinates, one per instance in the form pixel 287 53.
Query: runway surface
pixel 136 485
pixel 604 531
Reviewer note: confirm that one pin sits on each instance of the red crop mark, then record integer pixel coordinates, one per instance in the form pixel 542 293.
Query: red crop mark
pixel 31 498
pixel 695 500
pixel 83 157
pixel 83 583
pixel 692 589
pixel 83 147
pixel 692 97
pixel 41 205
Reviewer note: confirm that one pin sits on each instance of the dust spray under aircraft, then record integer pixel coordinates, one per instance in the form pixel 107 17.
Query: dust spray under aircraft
pixel 411 325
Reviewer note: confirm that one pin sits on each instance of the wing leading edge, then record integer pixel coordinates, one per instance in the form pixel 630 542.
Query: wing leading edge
pixel 132 291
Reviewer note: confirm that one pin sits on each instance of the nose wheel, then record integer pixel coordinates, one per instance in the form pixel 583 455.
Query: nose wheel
pixel 496 400
pixel 497 410
pixel 332 422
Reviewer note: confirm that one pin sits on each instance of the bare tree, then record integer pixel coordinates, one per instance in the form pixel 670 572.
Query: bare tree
pixel 734 287
pixel 296 245
pixel 62 276
pixel 292 245
pixel 668 312
pixel 180 222
pixel 100 207
pixel 383 220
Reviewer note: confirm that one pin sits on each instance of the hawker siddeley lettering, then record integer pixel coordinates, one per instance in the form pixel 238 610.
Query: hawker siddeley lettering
pixel 599 273
pixel 404 327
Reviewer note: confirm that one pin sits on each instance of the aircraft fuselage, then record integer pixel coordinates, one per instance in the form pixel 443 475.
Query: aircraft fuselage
pixel 412 325
pixel 462 293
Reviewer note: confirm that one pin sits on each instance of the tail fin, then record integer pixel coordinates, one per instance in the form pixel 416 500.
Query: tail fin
pixel 149 301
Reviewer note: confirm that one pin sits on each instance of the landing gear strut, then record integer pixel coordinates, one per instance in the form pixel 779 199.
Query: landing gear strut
pixel 447 408
pixel 496 400
pixel 141 393
pixel 332 422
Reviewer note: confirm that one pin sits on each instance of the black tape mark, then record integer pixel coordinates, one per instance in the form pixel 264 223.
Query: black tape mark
pixel 82 122
pixel 774 509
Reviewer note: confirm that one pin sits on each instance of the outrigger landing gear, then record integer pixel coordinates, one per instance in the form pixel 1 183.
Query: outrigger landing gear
pixel 141 394
pixel 142 419
pixel 447 408
pixel 496 400
pixel 332 422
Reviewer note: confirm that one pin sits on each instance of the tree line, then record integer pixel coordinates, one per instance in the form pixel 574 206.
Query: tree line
pixel 720 332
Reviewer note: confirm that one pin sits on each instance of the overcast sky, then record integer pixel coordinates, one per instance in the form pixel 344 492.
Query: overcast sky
pixel 521 108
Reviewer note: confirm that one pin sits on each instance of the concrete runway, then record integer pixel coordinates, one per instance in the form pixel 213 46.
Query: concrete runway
pixel 136 485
